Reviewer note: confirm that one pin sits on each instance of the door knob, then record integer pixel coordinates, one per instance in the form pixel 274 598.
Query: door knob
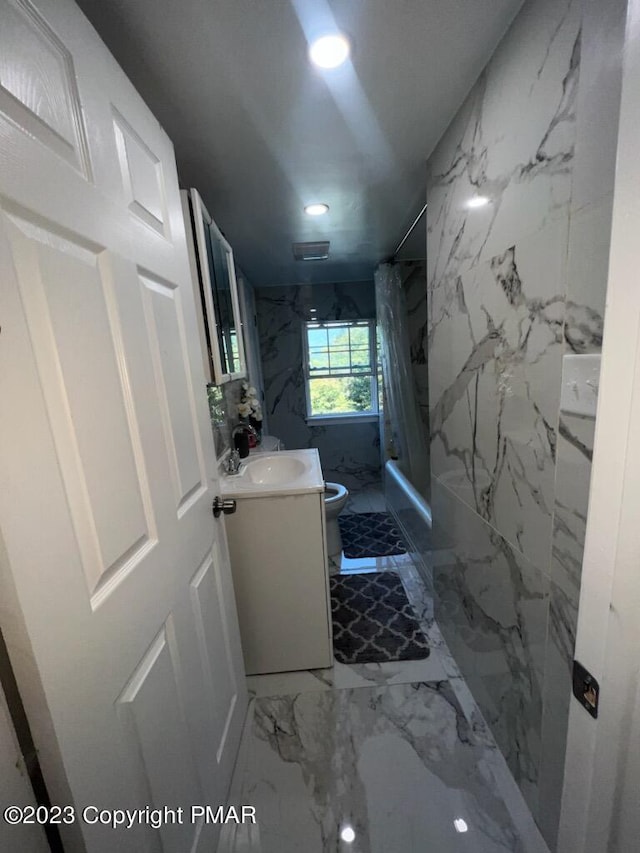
pixel 220 505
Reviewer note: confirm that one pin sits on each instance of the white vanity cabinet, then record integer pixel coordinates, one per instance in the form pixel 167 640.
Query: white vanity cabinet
pixel 277 544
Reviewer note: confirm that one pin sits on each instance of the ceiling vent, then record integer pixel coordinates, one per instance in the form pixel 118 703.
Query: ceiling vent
pixel 311 251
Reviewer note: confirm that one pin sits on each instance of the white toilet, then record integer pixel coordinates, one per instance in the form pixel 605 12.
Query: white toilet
pixel 335 497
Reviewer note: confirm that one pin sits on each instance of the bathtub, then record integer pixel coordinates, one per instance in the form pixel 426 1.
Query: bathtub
pixel 412 514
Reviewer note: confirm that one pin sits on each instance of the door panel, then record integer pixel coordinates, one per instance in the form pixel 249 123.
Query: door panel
pixel 164 326
pixel 142 176
pixel 218 671
pixel 166 766
pixel 63 291
pixel 40 96
pixel 116 583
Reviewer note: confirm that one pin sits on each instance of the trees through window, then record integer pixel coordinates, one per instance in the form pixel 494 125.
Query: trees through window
pixel 340 368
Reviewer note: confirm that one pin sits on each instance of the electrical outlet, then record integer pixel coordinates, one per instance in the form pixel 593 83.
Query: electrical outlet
pixel 586 689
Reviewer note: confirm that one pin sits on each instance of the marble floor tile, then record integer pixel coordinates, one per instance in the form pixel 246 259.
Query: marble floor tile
pixel 394 751
pixel 397 765
pixel 368 499
pixel 481 731
pixel 421 599
pixel 347 676
pixel 366 564
pixel 419 596
pixel 338 563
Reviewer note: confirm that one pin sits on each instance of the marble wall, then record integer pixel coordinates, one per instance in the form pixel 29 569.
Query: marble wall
pixel 223 399
pixel 414 279
pixel 349 452
pixel 512 287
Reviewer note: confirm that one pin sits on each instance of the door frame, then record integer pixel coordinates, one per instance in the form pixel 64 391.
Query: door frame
pixel 602 766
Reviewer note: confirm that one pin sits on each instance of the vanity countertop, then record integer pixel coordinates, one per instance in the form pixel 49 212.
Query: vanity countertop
pixel 287 472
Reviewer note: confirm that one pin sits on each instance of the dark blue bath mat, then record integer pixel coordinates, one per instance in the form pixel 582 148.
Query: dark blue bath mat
pixel 373 621
pixel 370 534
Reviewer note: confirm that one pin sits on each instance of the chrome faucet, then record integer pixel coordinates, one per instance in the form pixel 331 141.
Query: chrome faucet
pixel 233 463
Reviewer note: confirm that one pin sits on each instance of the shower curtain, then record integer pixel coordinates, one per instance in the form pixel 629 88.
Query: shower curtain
pixel 402 428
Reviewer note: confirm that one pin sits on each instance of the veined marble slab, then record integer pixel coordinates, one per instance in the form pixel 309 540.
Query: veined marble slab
pixel 497 277
pixel 492 607
pixel 349 452
pixel 346 676
pixel 397 765
pixel 394 751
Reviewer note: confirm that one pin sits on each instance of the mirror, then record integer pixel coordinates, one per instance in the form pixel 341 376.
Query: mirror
pixel 219 297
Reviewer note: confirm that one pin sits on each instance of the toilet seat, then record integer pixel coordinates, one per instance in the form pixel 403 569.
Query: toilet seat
pixel 333 492
pixel 335 499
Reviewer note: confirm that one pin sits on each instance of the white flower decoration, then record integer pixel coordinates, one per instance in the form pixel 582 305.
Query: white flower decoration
pixel 248 405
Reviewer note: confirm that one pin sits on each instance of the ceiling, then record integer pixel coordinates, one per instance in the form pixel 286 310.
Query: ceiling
pixel 260 132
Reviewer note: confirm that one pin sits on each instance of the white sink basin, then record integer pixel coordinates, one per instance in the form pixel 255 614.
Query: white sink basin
pixel 275 470
pixel 292 472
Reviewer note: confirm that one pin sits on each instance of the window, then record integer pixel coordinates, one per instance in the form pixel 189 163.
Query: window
pixel 340 368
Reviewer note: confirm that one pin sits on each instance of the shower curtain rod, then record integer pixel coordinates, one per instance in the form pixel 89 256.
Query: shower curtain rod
pixel 408 234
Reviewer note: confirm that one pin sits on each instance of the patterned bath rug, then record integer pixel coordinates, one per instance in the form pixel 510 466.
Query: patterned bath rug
pixel 370 534
pixel 373 621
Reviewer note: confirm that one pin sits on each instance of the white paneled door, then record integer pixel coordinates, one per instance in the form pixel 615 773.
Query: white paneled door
pixel 115 589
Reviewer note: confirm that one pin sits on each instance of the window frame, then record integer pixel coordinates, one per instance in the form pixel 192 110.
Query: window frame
pixel 342 417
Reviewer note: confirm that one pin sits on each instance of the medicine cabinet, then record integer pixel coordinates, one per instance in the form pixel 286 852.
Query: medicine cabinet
pixel 213 272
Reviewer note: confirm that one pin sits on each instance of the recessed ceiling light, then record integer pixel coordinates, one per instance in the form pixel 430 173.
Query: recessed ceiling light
pixel 478 201
pixel 348 834
pixel 329 51
pixel 316 209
